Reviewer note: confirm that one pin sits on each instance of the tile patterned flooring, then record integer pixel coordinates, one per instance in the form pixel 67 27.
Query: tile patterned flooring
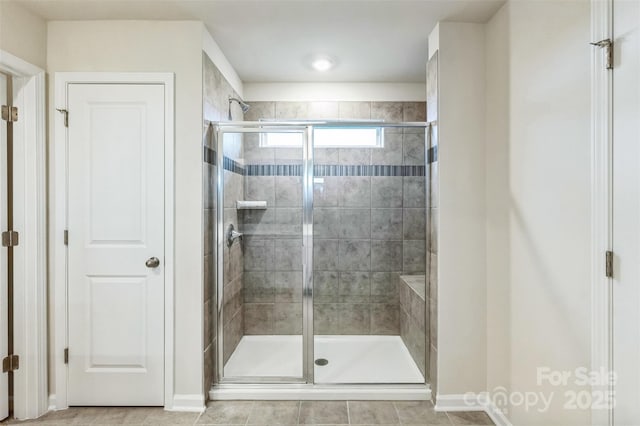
pixel 269 413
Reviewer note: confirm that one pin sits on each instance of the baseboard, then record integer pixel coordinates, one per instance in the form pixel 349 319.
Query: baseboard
pixel 468 402
pixel 321 392
pixel 497 416
pixel 191 403
pixel 458 403
pixel 53 404
pixel 188 402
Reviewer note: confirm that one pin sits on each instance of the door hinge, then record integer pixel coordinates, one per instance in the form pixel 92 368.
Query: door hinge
pixel 66 116
pixel 9 113
pixel 66 355
pixel 66 237
pixel 608 264
pixel 607 44
pixel 10 239
pixel 10 363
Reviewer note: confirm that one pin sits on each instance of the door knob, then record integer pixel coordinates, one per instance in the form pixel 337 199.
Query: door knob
pixel 152 262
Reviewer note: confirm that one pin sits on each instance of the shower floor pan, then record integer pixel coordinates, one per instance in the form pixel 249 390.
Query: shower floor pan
pixel 342 359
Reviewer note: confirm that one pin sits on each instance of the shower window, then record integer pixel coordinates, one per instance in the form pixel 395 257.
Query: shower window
pixel 328 137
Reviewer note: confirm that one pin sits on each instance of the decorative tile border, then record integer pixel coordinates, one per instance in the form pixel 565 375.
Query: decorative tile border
pixel 274 170
pixel 324 170
pixel 372 170
pixel 233 166
pixel 432 154
pixel 320 170
pixel 209 156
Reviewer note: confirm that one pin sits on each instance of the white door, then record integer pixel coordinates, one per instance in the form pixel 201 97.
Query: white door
pixel 626 214
pixel 116 233
pixel 4 275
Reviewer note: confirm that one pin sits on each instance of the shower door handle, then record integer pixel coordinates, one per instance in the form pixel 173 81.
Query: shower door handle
pixel 152 262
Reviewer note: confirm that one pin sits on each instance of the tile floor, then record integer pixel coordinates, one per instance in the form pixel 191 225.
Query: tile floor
pixel 270 413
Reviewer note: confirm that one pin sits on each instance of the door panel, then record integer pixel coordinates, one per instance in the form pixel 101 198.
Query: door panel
pixel 626 211
pixel 4 319
pixel 260 277
pixel 116 223
pixel 122 191
pixel 125 295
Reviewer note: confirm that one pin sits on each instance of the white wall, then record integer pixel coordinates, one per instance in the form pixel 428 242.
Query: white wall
pixel 23 34
pixel 461 234
pixel 538 200
pixel 157 46
pixel 522 177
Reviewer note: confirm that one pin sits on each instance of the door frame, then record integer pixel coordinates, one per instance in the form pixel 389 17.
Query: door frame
pixel 306 131
pixel 306 128
pixel 29 213
pixel 601 203
pixel 58 222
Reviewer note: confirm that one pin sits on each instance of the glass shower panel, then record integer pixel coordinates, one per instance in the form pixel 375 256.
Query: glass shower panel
pixel 369 257
pixel 260 240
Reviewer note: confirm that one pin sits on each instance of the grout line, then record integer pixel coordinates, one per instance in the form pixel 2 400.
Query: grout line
pixel 195 422
pixel 348 413
pixel 448 417
pixel 397 412
pixel 299 410
pixel 253 404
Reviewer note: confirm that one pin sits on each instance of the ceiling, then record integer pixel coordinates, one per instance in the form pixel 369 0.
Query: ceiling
pixel 274 41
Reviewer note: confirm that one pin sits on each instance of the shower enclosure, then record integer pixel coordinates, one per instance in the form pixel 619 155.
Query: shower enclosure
pixel 320 230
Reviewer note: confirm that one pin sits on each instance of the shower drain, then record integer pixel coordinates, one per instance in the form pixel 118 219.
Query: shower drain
pixel 321 361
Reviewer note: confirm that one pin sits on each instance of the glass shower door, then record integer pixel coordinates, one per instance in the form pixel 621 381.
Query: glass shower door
pixel 369 253
pixel 261 311
pixel 321 248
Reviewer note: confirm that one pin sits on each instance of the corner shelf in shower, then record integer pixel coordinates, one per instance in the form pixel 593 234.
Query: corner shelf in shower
pixel 273 236
pixel 251 205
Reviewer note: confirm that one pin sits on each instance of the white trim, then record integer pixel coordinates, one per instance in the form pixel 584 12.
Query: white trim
pixel 462 402
pixel 57 250
pixel 321 392
pixel 29 212
pixel 601 200
pixel 59 208
pixel 169 241
pixel 15 66
pixel 472 402
pixel 304 92
pixel 213 51
pixel 188 402
pixel 52 402
pixel 496 415
pixel 434 41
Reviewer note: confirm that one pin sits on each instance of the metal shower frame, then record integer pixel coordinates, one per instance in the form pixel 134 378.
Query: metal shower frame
pixel 306 129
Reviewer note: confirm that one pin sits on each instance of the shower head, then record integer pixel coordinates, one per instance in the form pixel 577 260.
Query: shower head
pixel 244 106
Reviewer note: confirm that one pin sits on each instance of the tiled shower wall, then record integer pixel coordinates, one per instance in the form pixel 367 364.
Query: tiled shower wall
pixel 233 256
pixel 413 321
pixel 432 204
pixel 273 246
pixel 369 223
pixel 216 91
